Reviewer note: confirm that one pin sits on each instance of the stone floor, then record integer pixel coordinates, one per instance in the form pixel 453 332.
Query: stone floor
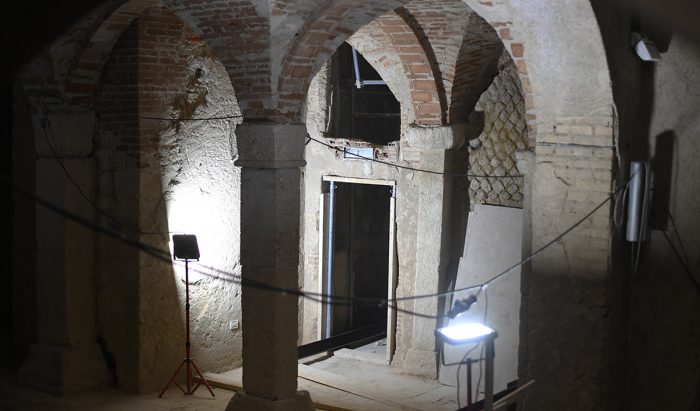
pixel 16 398
pixel 365 365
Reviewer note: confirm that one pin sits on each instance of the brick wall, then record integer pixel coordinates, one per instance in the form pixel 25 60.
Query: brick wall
pixel 222 23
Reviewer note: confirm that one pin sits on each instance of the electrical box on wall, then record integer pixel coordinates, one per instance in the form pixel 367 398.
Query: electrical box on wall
pixel 638 198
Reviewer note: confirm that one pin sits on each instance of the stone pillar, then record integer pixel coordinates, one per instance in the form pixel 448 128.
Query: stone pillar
pixel 270 157
pixel 432 236
pixel 66 357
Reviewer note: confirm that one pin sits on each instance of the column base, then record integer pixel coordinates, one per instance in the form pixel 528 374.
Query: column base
pixel 301 401
pixel 421 363
pixel 60 370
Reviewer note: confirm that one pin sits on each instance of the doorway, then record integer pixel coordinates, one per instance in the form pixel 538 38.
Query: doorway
pixel 357 242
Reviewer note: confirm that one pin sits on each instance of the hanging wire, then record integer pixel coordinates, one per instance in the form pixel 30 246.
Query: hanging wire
pixel 316 297
pixel 419 170
pixel 46 123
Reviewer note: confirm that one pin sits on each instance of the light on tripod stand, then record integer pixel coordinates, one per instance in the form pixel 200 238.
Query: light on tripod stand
pixel 462 333
pixel 185 249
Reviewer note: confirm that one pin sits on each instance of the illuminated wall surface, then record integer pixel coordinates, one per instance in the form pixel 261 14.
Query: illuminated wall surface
pixel 548 88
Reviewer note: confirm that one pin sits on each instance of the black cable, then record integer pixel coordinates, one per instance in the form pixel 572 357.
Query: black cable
pixel 164 256
pixel 683 264
pixel 44 123
pixel 523 261
pixel 420 170
pixel 90 108
pixel 150 250
pixel 678 235
pixel 229 117
pixel 339 300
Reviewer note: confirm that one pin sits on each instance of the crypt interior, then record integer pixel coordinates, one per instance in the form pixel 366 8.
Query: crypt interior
pixel 352 169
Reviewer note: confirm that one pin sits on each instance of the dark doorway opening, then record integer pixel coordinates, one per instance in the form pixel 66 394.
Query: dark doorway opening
pixel 360 253
pixel 356 239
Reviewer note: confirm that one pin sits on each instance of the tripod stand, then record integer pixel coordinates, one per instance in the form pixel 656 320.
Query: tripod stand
pixel 188 362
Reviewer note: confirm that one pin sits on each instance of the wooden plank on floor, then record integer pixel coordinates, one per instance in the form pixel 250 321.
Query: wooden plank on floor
pixel 512 397
pixel 321 400
pixel 353 386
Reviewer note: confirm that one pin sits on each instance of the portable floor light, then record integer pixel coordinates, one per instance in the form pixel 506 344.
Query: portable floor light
pixel 471 333
pixel 185 249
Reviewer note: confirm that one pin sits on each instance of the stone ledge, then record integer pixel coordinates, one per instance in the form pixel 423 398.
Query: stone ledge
pixel 435 138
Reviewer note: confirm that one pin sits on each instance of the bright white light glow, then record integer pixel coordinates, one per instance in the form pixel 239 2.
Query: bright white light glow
pixel 465 333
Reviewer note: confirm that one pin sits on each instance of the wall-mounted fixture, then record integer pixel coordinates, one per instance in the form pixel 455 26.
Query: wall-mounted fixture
pixel 637 205
pixel 645 48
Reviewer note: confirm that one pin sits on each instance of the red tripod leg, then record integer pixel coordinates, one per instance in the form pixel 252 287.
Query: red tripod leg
pixel 171 381
pixel 202 380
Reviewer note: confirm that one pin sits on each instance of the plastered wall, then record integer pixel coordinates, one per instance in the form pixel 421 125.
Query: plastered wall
pixel 160 177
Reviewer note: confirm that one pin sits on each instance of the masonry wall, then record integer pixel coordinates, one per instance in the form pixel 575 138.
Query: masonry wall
pixel 566 289
pixel 664 364
pixel 323 161
pixel 504 132
pixel 158 178
pixel 117 272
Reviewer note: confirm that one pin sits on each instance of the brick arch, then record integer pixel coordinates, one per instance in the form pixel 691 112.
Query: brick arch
pixel 322 34
pixel 475 66
pixel 372 43
pixel 498 16
pixel 85 75
pixel 238 32
pixel 220 23
pixel 406 66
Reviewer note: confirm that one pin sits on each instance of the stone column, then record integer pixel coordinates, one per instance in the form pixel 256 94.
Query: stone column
pixel 432 237
pixel 270 157
pixel 66 357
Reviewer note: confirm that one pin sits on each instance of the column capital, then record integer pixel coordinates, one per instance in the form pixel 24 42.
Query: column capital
pixel 435 138
pixel 269 145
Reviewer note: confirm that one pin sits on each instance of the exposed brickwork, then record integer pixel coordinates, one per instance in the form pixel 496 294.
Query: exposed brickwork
pixel 416 65
pixel 223 23
pixel 474 68
pixel 497 15
pixel 322 35
pixel 85 75
pixel 566 290
pixel 117 100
